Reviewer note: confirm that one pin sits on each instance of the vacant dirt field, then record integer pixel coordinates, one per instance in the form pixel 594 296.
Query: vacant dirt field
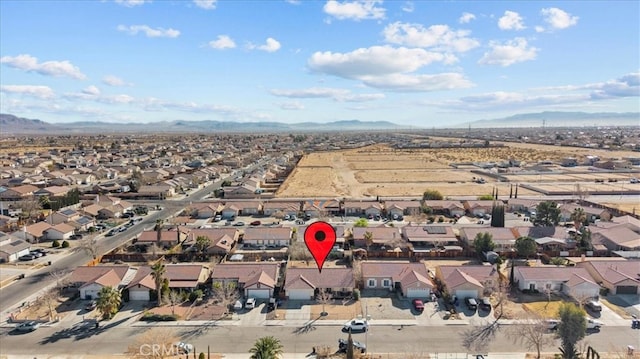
pixel 380 170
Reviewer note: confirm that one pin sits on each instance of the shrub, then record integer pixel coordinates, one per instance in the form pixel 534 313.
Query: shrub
pixel 440 219
pixel 196 294
pixel 55 244
pixel 65 244
pixel 202 356
pixel 151 317
pixel 356 294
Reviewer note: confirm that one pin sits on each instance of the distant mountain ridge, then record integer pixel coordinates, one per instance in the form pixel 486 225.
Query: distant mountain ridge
pixel 14 125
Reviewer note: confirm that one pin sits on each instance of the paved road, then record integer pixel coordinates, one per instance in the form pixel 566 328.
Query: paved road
pixel 236 339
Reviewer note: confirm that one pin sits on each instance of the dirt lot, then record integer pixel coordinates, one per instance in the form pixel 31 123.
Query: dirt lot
pixel 380 170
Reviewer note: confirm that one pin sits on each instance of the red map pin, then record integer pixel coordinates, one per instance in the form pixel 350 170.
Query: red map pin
pixel 320 238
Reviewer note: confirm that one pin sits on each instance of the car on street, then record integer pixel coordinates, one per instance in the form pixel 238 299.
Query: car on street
pixel 76 236
pixel 255 223
pixel 594 324
pixel 184 348
pixel 91 305
pixel 471 303
pixel 217 218
pixel 418 305
pixel 111 232
pixel 28 326
pixel 273 304
pixel 36 254
pixel 552 324
pixel 250 303
pixel 593 305
pixel 239 224
pixel 356 325
pixel 343 343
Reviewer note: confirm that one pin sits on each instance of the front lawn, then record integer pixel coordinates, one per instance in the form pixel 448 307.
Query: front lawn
pixel 544 309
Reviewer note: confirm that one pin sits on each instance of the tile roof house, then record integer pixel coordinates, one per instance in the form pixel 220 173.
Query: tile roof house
pixel 267 236
pixel 478 207
pixel 168 237
pixel 315 208
pixel 411 279
pixel 185 276
pixel 255 280
pixel 90 279
pixel 402 207
pixel 592 213
pixel 431 236
pixel 61 231
pixel 142 284
pixel 504 238
pixel 572 281
pixel 619 276
pixel 18 192
pixel 446 207
pixel 270 208
pixel 306 283
pixel 616 238
pixel 222 240
pixel 35 232
pixel 382 236
pixel 468 280
pixel 11 248
pixel 359 208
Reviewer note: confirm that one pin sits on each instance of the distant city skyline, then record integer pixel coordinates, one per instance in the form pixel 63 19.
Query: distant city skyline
pixel 413 63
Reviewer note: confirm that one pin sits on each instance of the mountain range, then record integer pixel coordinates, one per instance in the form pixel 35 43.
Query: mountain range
pixel 13 125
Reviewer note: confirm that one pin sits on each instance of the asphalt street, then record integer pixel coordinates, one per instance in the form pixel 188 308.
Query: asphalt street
pixel 238 339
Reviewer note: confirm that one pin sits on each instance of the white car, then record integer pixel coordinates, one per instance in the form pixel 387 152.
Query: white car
pixel 356 325
pixel 552 324
pixel 594 324
pixel 250 304
pixel 237 306
pixel 184 348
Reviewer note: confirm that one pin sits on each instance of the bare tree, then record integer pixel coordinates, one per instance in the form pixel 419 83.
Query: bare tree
pixel 174 298
pixel 89 246
pixel 298 251
pixel 357 272
pixel 60 276
pixel 160 338
pixel 531 332
pixel 50 299
pixel 478 337
pixel 225 294
pixel 324 298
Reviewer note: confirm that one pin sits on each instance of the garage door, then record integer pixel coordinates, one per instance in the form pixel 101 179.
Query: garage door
pixel 142 295
pixel 258 293
pixel 418 293
pixel 461 294
pixel 626 289
pixel 300 294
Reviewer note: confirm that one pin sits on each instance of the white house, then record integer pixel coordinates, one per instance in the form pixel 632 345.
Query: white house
pixel 572 281
pixel 11 248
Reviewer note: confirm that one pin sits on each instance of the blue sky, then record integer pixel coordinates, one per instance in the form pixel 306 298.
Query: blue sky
pixel 421 63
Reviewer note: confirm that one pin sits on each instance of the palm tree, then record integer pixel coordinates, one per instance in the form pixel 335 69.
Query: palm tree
pixel 108 302
pixel 368 239
pixel 158 271
pixel 266 348
pixel 579 216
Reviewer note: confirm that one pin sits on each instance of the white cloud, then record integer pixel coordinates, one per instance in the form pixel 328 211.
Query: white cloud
pixel 148 31
pixel 91 90
pixel 132 3
pixel 114 81
pixel 511 20
pixel 558 19
pixel 271 45
pixel 466 18
pixel 388 67
pixel 293 2
pixel 539 29
pixel 48 68
pixel 42 92
pixel 222 42
pixel 408 7
pixel 340 95
pixel 624 86
pixel 205 4
pixel 440 37
pixel 355 10
pixel 291 106
pixel 509 53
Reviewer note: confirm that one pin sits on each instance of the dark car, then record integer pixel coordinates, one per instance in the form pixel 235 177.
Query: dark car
pixel 255 223
pixel 471 303
pixel 27 257
pixel 418 305
pixel 76 236
pixel 342 345
pixel 485 304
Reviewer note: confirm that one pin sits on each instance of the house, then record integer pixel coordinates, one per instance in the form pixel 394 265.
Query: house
pixel 168 237
pixel 65 215
pixel 141 285
pixel 221 240
pixel 431 236
pixel 382 236
pixel 468 281
pixel 504 238
pixel 410 279
pixel 446 207
pixel 618 276
pixel 360 208
pixel 18 193
pixel 184 276
pixel 8 223
pixel 572 281
pixel 35 232
pixel 60 231
pixel 284 207
pixel 53 191
pixel 12 248
pixel 267 236
pixel 307 283
pixel 593 213
pixel 478 207
pixel 238 192
pixel 401 208
pixel 208 210
pixel 522 205
pixel 617 238
pixel 254 280
pixel 318 208
pixel 241 208
pixel 91 279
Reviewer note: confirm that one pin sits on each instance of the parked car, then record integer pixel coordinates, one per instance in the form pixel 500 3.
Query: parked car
pixel 184 348
pixel 250 303
pixel 593 305
pixel 356 325
pixel 418 305
pixel 239 224
pixel 255 223
pixel 76 236
pixel 36 254
pixel 237 306
pixel 111 232
pixel 217 218
pixel 485 304
pixel 28 326
pixel 342 345
pixel 299 221
pixel 91 305
pixel 273 304
pixel 27 257
pixel 594 324
pixel 471 303
pixel 552 324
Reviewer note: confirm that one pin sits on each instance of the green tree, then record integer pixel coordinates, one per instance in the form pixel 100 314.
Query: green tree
pixel 361 222
pixel 486 197
pixel 547 214
pixel 202 243
pixel 578 216
pixel 497 215
pixel 431 194
pixel 571 329
pixel 266 348
pixel 526 246
pixel 584 239
pixel 108 302
pixel 158 270
pixel 483 243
